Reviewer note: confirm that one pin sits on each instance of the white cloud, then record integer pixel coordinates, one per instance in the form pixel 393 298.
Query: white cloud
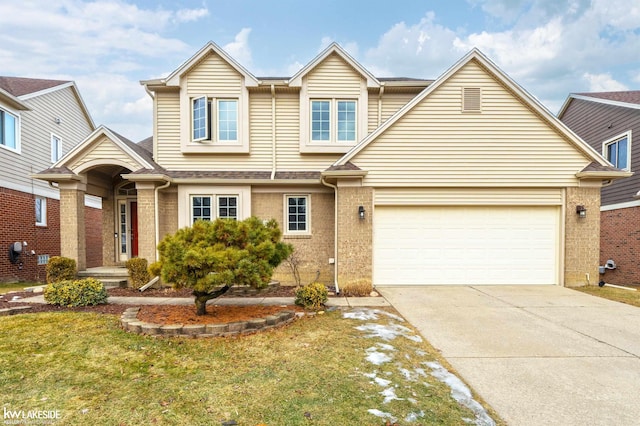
pixel 603 83
pixel 239 48
pixel 189 15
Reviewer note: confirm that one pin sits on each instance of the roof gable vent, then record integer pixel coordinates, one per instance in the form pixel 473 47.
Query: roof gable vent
pixel 471 99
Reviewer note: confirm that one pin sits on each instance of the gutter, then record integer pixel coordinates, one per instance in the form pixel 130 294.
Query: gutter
pixel 335 232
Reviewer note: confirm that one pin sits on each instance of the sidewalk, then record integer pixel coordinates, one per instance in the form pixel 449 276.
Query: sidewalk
pixel 350 302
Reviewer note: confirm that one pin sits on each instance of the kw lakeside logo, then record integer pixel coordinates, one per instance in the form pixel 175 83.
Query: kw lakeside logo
pixel 22 417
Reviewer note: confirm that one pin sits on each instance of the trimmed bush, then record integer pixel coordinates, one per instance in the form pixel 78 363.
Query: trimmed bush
pixel 60 268
pixel 312 296
pixel 138 272
pixel 84 292
pixel 357 288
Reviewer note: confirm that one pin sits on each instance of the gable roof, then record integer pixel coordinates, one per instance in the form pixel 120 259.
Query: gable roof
pixel 12 101
pixel 20 86
pixel 174 78
pixel 625 99
pixel 476 55
pixel 334 48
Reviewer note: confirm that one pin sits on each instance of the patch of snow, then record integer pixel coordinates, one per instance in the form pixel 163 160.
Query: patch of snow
pixel 389 395
pixel 377 358
pixel 461 393
pixel 412 417
pixel 382 414
pixel 388 332
pixel 371 375
pixel 366 314
pixel 382 382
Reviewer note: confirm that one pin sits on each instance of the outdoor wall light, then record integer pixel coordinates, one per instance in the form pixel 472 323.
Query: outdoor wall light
pixel 581 211
pixel 361 212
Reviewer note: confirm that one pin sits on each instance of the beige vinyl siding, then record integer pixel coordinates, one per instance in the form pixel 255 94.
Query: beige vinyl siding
pixel 104 148
pixel 287 135
pixel 468 196
pixel 334 78
pixel 214 77
pixel 391 103
pixel 435 144
pixel 36 128
pixel 168 128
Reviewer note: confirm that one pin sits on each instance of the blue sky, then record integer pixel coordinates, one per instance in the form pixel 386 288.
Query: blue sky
pixel 550 47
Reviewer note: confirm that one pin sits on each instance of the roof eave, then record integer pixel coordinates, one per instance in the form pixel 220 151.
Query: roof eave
pixel 606 175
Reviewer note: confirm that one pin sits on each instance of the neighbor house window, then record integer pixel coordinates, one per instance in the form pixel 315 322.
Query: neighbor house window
pixel 333 121
pixel 41 211
pixel 56 148
pixel 617 151
pixel 200 208
pixel 214 120
pixel 228 207
pixel 8 130
pixel 43 259
pixel 297 214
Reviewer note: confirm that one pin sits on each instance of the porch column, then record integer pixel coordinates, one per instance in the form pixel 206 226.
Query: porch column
pixel 146 220
pixel 72 228
pixel 582 242
pixel 355 236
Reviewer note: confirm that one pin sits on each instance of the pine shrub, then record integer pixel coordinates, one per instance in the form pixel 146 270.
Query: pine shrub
pixel 138 272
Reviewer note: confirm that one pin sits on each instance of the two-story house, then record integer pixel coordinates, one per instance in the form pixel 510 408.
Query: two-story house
pixel 607 121
pixel 466 179
pixel 40 120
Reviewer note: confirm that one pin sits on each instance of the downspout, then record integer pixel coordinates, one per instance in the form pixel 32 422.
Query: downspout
pixel 157 213
pixel 335 232
pixel 273 132
pixel 380 103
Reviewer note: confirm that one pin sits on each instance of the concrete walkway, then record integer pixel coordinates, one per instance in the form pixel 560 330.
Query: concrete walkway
pixel 539 355
pixel 231 301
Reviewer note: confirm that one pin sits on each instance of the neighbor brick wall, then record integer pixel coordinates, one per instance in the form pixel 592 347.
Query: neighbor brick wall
pixel 17 223
pixel 355 236
pixel 314 251
pixel 620 241
pixel 582 242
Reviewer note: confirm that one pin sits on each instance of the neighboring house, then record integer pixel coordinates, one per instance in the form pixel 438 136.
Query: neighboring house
pixel 40 120
pixel 463 180
pixel 608 121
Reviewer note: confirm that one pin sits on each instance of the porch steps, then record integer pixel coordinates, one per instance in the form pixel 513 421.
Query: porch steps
pixel 110 276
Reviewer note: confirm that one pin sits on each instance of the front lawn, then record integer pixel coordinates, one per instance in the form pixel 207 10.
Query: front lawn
pixel 317 371
pixel 629 297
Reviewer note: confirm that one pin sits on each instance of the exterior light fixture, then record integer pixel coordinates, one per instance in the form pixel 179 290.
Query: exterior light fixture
pixel 581 211
pixel 361 212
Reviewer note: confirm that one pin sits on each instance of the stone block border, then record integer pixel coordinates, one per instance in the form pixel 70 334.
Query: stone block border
pixel 129 321
pixel 14 310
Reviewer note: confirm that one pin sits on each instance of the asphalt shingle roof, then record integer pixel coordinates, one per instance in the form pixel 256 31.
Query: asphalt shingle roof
pixel 19 86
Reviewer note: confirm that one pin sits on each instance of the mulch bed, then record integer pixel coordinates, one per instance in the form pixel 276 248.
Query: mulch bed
pixel 186 314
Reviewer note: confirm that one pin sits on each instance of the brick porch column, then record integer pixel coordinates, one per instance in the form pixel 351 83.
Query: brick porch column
pixel 355 235
pixel 146 220
pixel 72 228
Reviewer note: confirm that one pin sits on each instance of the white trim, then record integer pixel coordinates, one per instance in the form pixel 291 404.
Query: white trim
pixel 58 149
pixel 185 192
pixel 43 210
pixel 18 130
pixel 596 100
pixel 192 108
pixel 617 206
pixel 228 196
pixel 60 86
pixel 616 139
pixel 285 211
pixel 211 215
pixel 48 192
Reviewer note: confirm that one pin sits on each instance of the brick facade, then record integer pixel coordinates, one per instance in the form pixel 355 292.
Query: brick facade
pixel 355 235
pixel 146 221
pixel 582 240
pixel 168 211
pixel 315 250
pixel 17 223
pixel 620 241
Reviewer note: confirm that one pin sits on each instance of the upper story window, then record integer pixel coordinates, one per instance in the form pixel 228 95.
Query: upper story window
pixel 618 151
pixel 333 121
pixel 56 148
pixel 8 130
pixel 214 120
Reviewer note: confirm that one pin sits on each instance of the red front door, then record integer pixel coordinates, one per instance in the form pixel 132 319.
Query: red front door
pixel 134 229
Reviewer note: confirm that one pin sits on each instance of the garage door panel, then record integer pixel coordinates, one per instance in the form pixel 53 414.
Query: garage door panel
pixel 466 245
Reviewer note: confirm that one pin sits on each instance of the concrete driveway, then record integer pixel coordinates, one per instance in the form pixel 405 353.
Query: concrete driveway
pixel 539 355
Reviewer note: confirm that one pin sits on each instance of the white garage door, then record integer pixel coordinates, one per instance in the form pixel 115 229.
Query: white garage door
pixel 465 245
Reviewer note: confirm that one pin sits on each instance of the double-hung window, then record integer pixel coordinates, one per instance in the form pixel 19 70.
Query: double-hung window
pixel 200 208
pixel 214 120
pixel 333 120
pixel 56 148
pixel 297 214
pixel 8 130
pixel 617 151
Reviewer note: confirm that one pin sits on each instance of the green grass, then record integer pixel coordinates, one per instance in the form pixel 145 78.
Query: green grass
pixel 7 287
pixel 619 295
pixel 93 372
